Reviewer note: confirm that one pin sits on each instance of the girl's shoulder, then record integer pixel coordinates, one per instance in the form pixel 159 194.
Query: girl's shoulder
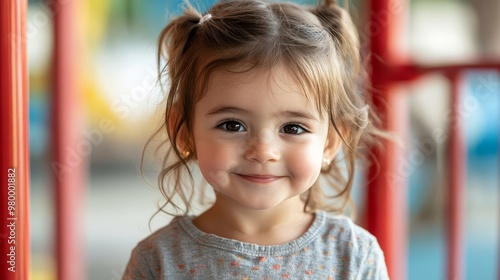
pixel 170 233
pixel 344 227
pixel 356 249
pixel 148 256
pixel 343 235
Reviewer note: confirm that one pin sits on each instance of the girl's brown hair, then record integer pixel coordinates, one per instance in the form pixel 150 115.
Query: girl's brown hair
pixel 318 45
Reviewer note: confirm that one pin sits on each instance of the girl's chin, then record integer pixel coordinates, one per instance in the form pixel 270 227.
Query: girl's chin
pixel 257 203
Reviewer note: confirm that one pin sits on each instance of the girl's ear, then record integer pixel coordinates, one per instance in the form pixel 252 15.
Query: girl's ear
pixel 333 143
pixel 182 141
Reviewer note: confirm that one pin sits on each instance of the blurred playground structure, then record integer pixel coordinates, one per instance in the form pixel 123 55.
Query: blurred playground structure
pixel 93 101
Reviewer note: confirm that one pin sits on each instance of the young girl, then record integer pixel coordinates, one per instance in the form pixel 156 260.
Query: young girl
pixel 263 98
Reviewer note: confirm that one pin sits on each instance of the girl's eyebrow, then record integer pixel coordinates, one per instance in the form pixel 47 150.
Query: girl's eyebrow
pixel 227 109
pixel 298 114
pixel 237 110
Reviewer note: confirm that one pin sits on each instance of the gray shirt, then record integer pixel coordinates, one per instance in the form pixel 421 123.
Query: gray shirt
pixel 332 248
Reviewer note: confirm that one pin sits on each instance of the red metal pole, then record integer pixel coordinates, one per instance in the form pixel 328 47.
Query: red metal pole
pixel 456 182
pixel 14 190
pixel 386 195
pixel 68 149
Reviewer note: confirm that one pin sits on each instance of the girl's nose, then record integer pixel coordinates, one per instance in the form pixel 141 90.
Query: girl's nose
pixel 262 148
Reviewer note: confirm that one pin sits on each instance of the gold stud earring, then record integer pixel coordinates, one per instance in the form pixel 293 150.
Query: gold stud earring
pixel 326 163
pixel 185 154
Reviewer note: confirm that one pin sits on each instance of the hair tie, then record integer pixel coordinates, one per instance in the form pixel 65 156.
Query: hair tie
pixel 205 18
pixel 330 3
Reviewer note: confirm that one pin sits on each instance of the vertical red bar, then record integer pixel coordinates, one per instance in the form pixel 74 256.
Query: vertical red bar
pixel 456 182
pixel 386 195
pixel 14 185
pixel 68 158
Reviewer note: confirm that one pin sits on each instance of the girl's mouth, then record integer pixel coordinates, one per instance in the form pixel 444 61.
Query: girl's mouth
pixel 260 178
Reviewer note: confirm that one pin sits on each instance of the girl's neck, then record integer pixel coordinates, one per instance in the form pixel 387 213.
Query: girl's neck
pixel 279 225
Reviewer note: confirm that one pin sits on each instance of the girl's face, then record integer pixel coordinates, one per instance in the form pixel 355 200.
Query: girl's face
pixel 259 142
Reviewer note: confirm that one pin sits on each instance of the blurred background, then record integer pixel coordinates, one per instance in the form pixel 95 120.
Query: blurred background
pixel 117 71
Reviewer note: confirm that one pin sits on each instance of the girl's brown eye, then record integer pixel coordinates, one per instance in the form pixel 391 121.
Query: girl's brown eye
pixel 231 126
pixel 293 129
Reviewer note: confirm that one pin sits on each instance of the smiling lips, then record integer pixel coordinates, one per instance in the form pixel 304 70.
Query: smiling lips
pixel 262 179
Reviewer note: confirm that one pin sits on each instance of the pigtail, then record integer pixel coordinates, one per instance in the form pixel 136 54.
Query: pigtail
pixel 353 106
pixel 175 38
pixel 339 25
pixel 173 43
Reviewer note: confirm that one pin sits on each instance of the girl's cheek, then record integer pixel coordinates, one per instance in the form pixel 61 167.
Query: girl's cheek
pixel 218 180
pixel 213 171
pixel 307 160
pixel 216 160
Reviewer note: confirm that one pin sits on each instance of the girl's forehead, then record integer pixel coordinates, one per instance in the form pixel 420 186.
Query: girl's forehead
pixel 276 85
pixel 273 83
pixel 304 77
pixel 274 78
